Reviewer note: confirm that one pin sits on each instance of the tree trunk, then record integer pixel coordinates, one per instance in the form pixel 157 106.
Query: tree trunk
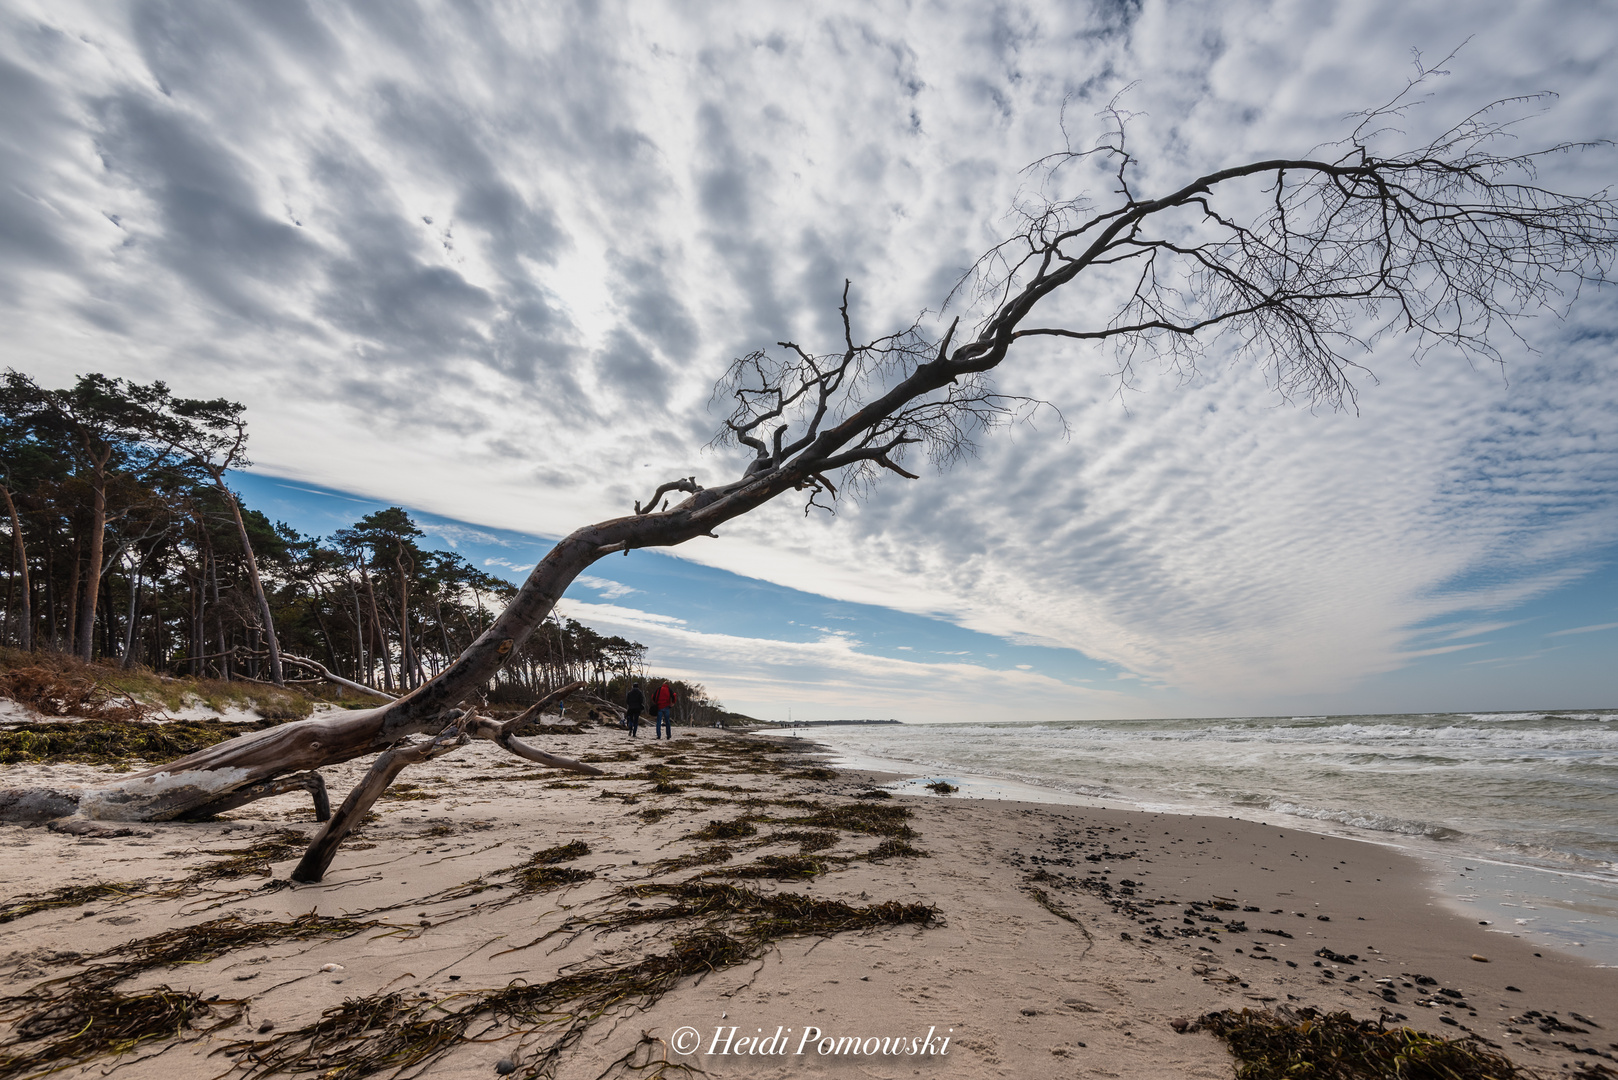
pixel 195 646
pixel 223 649
pixel 134 616
pixel 381 651
pixel 26 638
pixel 70 602
pixel 276 674
pixel 387 766
pixel 92 572
pixel 407 666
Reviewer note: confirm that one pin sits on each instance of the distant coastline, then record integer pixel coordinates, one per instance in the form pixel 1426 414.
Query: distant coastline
pixel 789 725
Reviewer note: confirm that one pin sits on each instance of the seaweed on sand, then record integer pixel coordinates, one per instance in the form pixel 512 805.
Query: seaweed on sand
pixel 186 945
pixel 775 867
pixel 409 793
pixel 737 829
pixel 211 940
pixel 391 1032
pixel 577 849
pixel 767 917
pixel 92 1022
pixel 1286 1044
pixel 540 873
pixel 659 773
pixel 808 840
pixel 1044 900
pixel 541 879
pixel 859 818
pixel 80 1017
pixel 112 741
pixel 69 896
pixel 255 858
pixel 537 874
pixel 894 847
pixel 707 856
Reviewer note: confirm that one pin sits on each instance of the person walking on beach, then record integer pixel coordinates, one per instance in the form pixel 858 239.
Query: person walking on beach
pixel 663 701
pixel 634 702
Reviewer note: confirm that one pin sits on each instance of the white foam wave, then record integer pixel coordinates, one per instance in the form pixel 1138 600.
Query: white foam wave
pixel 1365 819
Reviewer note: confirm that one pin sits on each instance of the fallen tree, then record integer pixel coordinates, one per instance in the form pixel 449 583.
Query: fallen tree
pixel 1443 245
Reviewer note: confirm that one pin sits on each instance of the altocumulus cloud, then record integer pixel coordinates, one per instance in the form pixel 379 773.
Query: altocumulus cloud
pixel 487 260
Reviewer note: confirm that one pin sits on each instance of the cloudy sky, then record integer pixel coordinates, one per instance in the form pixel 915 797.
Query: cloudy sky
pixel 486 260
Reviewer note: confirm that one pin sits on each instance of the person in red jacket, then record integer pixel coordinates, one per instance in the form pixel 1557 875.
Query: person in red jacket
pixel 663 701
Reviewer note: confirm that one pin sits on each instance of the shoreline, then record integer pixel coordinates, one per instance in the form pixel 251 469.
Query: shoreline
pixel 1577 908
pixel 1067 938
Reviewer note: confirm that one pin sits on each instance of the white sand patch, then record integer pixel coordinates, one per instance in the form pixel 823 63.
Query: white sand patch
pixel 14 712
pixel 196 710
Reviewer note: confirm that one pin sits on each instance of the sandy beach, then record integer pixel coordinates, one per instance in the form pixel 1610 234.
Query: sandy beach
pixel 749 914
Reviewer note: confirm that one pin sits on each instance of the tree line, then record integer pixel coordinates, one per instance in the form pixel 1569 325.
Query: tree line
pixel 127 545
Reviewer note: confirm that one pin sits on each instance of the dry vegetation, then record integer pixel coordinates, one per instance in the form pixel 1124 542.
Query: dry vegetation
pixel 59 685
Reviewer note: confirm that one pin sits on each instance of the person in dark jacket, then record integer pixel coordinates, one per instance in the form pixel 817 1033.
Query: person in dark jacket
pixel 634 702
pixel 663 701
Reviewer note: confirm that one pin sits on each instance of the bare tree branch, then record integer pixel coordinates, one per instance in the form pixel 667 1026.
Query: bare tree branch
pixel 1301 264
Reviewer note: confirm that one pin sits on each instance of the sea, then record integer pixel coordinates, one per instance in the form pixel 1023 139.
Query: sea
pixel 1514 814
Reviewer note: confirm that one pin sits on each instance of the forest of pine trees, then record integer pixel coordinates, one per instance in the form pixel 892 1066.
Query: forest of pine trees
pixel 125 545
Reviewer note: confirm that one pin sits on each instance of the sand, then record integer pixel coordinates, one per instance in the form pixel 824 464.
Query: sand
pixel 1016 988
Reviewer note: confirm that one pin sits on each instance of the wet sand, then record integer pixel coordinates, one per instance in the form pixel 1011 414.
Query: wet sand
pixel 1069 939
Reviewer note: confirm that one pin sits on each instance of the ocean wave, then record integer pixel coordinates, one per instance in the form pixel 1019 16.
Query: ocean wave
pixel 1596 738
pixel 1538 780
pixel 1366 819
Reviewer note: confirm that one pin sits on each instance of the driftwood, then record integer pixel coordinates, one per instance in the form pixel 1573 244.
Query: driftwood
pixel 388 765
pixel 391 762
pixel 1444 244
pixel 311 781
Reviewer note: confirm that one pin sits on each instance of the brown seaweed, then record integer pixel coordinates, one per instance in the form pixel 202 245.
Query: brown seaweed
pixel 1287 1044
pixel 388 1031
pixel 95 1022
pixel 69 896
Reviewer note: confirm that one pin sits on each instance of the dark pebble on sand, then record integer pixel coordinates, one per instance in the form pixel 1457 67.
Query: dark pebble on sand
pixel 504 1066
pixel 266 1027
